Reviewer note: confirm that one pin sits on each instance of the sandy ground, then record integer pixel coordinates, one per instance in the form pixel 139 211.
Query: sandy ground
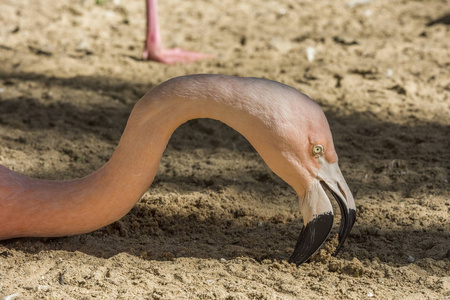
pixel 217 223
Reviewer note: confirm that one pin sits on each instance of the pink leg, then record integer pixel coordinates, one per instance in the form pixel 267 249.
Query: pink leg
pixel 153 49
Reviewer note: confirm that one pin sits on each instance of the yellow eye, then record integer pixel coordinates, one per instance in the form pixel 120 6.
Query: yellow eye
pixel 318 149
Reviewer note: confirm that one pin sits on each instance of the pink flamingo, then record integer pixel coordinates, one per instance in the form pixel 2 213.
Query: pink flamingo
pixel 153 49
pixel 288 129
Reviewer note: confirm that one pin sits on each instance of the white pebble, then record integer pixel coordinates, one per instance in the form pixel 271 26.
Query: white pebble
pixel 209 281
pixel 310 53
pixel 83 45
pixel 410 259
pixel 357 2
pixel 369 294
pixel 223 259
pixel 282 11
pixel 368 12
pixel 389 73
pixel 43 288
pixel 109 14
pixel 11 297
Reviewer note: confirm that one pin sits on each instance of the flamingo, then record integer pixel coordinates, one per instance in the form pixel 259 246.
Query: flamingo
pixel 153 49
pixel 286 127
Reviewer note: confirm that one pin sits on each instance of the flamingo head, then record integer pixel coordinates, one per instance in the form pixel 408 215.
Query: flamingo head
pixel 316 208
pixel 306 159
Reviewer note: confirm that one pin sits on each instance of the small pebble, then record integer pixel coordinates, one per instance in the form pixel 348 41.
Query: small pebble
pixel 357 3
pixel 369 294
pixel 223 259
pixel 109 14
pixel 410 259
pixel 389 73
pixel 209 281
pixel 11 297
pixel 310 53
pixel 43 288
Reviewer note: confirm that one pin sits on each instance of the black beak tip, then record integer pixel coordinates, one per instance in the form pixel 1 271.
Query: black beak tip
pixel 351 218
pixel 312 237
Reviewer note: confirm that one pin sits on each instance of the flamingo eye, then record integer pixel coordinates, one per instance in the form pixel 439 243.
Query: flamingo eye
pixel 318 150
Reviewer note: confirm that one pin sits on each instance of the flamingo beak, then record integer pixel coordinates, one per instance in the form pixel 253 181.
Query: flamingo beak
pixel 318 213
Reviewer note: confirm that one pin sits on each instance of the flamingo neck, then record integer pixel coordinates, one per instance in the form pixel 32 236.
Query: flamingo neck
pixel 34 207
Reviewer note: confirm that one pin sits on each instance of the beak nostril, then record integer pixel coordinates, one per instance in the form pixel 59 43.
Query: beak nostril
pixel 342 191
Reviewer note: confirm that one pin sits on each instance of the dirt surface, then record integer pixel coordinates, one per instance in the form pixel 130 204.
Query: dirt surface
pixel 217 223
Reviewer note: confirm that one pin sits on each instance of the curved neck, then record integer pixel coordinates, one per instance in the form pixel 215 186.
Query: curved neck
pixel 32 207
